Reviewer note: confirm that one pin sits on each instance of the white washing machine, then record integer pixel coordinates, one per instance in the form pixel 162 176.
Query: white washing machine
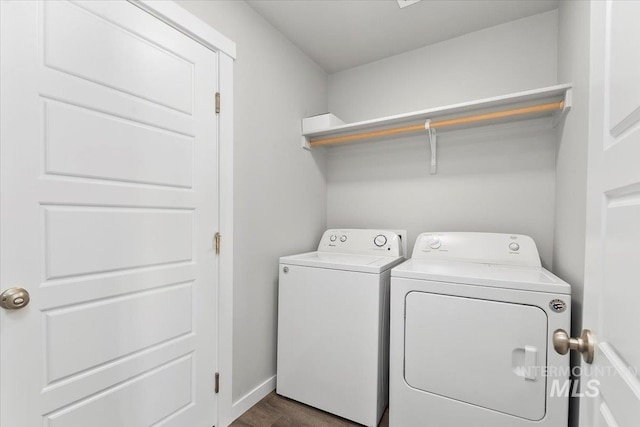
pixel 472 319
pixel 333 323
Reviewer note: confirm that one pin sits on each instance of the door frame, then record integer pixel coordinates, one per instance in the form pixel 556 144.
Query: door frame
pixel 175 16
pixel 188 24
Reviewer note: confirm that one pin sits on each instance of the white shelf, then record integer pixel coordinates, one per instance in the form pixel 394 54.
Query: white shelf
pixel 514 100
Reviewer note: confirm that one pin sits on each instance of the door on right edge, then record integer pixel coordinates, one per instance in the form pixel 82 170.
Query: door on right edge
pixel 612 278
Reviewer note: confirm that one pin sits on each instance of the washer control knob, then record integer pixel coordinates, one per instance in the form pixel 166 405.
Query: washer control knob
pixel 435 243
pixel 380 240
pixel 514 246
pixel 333 237
pixel 343 238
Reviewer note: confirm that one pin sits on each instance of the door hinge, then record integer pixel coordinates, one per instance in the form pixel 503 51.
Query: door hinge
pixel 217 102
pixel 217 383
pixel 217 243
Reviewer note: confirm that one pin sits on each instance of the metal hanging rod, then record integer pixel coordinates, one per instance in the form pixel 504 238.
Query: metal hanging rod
pixel 441 124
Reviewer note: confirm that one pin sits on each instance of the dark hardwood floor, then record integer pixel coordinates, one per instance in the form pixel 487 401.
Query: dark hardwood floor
pixel 278 411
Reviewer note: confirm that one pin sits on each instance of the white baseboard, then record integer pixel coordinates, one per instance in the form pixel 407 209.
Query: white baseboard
pixel 254 396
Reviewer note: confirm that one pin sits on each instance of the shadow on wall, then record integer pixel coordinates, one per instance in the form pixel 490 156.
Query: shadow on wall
pixel 497 178
pixel 493 149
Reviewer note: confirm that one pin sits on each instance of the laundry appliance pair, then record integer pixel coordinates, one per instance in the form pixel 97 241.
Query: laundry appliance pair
pixel 460 334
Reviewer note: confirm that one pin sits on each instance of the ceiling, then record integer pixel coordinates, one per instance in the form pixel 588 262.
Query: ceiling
pixel 341 34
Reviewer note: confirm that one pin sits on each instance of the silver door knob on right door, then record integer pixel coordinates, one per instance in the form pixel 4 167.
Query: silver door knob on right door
pixel 14 299
pixel 585 344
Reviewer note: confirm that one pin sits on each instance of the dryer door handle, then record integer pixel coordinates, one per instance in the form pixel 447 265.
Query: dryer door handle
pixel 530 363
pixel 525 362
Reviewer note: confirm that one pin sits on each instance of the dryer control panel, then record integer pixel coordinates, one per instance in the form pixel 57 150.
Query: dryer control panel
pixel 361 241
pixel 487 248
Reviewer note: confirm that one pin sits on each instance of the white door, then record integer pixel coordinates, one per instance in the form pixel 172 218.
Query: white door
pixel 108 213
pixel 612 282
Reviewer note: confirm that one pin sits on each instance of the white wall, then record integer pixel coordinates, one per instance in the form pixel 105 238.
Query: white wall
pixel 571 173
pixel 280 189
pixel 571 165
pixel 497 178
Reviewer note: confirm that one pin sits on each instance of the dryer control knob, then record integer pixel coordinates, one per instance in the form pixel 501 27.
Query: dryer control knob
pixel 380 240
pixel 514 247
pixel 435 243
pixel 333 237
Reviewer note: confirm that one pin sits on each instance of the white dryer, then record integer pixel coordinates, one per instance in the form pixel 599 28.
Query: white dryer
pixel 472 319
pixel 333 323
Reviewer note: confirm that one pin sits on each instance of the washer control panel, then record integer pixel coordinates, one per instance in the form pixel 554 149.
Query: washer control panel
pixel 361 241
pixel 489 248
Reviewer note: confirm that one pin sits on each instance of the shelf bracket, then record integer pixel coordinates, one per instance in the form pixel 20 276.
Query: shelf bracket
pixel 434 144
pixel 305 143
pixel 566 107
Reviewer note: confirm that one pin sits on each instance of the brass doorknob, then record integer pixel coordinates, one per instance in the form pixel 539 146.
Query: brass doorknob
pixel 584 344
pixel 14 299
